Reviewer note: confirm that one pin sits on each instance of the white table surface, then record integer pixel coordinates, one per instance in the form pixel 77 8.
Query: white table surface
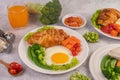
pixel 85 7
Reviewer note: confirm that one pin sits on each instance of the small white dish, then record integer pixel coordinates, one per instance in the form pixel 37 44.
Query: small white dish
pixel 74 15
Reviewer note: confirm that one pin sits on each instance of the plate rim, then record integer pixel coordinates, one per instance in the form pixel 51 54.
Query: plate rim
pixel 93 55
pixel 61 27
pixel 107 35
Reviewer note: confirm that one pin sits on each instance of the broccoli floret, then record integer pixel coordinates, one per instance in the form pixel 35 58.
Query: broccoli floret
pixel 49 13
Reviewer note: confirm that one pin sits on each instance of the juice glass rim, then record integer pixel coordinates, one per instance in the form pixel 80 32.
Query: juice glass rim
pixel 13 11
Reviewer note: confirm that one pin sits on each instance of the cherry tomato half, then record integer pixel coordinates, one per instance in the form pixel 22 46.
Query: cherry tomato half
pixel 12 71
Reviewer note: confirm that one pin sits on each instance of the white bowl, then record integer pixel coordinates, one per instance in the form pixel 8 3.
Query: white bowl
pixel 74 15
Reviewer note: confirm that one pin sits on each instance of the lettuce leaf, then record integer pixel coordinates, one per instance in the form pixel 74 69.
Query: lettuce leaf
pixel 73 63
pixel 46 27
pixel 27 37
pixel 94 19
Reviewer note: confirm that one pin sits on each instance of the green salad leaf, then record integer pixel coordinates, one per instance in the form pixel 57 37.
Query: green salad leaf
pixel 94 19
pixel 46 27
pixel 28 36
pixel 36 54
pixel 73 63
pixel 109 68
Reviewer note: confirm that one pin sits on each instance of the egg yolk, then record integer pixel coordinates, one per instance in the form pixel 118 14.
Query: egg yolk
pixel 60 58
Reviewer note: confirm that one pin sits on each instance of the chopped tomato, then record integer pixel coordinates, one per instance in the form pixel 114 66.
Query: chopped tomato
pixel 112 29
pixel 15 67
pixel 13 71
pixel 74 53
pixel 75 49
pixel 107 29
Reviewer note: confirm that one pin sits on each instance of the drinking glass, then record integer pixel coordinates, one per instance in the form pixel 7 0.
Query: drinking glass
pixel 18 15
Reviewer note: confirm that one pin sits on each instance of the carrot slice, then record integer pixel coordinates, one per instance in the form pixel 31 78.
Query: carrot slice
pixel 114 33
pixel 65 42
pixel 75 39
pixel 69 46
pixel 117 27
pixel 118 63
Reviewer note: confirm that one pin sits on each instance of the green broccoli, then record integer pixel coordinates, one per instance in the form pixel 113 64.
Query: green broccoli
pixel 49 13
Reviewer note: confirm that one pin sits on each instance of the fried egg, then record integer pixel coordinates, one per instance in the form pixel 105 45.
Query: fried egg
pixel 58 55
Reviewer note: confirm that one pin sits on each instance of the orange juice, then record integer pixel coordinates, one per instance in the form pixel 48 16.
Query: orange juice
pixel 18 16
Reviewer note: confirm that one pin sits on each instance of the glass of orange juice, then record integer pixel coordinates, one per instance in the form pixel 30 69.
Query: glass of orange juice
pixel 18 15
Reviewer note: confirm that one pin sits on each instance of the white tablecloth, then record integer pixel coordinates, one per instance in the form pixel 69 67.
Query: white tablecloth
pixel 85 7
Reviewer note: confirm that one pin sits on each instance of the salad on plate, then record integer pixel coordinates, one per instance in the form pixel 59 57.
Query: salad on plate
pixel 110 66
pixel 53 49
pixel 105 64
pixel 107 22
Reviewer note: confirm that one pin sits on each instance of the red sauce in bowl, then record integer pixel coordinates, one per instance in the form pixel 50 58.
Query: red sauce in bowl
pixel 73 21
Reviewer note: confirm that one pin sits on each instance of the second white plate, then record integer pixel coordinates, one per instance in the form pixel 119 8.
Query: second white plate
pixel 96 58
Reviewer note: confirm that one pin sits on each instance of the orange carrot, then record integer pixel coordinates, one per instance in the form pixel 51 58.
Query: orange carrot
pixel 73 44
pixel 75 39
pixel 117 27
pixel 71 40
pixel 69 46
pixel 118 63
pixel 114 33
pixel 65 42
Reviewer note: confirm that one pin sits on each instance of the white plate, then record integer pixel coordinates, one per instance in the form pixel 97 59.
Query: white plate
pixel 96 58
pixel 22 49
pixel 105 34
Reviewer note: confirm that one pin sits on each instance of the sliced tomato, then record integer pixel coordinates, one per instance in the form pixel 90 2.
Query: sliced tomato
pixel 74 53
pixel 75 49
pixel 13 71
pixel 16 66
pixel 13 65
pixel 107 29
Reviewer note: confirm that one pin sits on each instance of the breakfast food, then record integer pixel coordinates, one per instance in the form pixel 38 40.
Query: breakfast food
pixel 108 21
pixel 48 38
pixel 53 49
pixel 58 55
pixel 73 44
pixel 53 58
pixel 107 16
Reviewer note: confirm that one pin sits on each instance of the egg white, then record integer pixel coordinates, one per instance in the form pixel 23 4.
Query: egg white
pixel 52 50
